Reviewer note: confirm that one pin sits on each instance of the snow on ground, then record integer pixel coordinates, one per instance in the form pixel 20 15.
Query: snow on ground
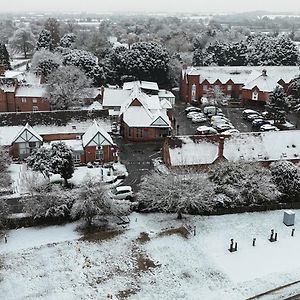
pixel 161 267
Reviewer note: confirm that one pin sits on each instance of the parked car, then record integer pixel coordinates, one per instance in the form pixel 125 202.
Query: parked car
pixel 199 119
pixel 218 117
pixel 122 192
pixel 192 114
pixel 206 130
pixel 223 127
pixel 253 117
pixel 259 122
pixel 267 115
pixel 230 131
pixel 248 112
pixel 268 127
pixel 211 110
pixel 220 122
pixel 192 109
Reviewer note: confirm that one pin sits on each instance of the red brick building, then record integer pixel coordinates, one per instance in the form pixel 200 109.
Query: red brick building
pixel 200 152
pixel 94 145
pixel 144 117
pixel 245 83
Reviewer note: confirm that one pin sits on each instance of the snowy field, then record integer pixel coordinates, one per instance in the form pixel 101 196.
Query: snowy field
pixel 57 262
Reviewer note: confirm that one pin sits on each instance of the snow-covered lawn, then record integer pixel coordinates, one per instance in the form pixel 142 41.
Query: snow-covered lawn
pixel 157 265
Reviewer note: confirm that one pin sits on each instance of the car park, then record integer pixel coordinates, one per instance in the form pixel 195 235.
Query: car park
pixel 248 112
pixel 268 127
pixel 206 130
pixel 122 193
pixel 192 109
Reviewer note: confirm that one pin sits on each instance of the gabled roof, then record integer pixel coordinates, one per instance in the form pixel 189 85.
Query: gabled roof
pixel 146 85
pixel 165 104
pixel 263 82
pixel 37 91
pixel 241 74
pixel 27 134
pixel 96 136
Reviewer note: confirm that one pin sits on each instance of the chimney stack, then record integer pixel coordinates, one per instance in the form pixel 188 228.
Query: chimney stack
pixel 221 147
pixel 264 72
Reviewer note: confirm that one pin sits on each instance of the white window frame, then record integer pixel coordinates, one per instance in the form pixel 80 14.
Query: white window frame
pixel 99 154
pixel 255 95
pixel 23 99
pixel 35 108
pixel 34 100
pixel 229 87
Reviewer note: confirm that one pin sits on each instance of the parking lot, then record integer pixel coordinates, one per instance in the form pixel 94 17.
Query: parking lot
pixel 234 114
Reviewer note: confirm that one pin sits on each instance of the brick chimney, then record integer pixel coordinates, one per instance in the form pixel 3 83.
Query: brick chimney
pixel 102 93
pixel 2 70
pixel 221 148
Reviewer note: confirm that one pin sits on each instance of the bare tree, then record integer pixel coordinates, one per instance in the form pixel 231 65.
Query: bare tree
pixel 93 201
pixel 23 41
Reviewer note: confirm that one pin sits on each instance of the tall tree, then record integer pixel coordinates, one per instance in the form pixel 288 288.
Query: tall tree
pixel 44 41
pixel 23 41
pixel 52 25
pixel 4 57
pixel 67 86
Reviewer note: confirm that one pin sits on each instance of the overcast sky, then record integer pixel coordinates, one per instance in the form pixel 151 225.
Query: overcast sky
pixel 99 6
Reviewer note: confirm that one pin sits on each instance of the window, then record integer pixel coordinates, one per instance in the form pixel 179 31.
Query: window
pixel 76 157
pixel 229 87
pixel 99 154
pixel 205 88
pixel 34 100
pixel 35 108
pixel 26 148
pixel 193 92
pixel 255 96
pixel 139 132
pixel 23 100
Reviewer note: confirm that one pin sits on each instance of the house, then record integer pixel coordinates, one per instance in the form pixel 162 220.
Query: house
pixel 89 142
pixel 243 83
pixel 144 117
pixel 202 151
pixel 114 98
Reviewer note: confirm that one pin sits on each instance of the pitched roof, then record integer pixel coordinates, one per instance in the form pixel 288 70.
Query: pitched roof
pixel 248 147
pixel 37 91
pixel 96 136
pixel 27 134
pixel 147 85
pixel 263 82
pixel 241 74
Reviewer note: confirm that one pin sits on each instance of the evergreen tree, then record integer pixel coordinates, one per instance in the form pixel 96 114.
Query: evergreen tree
pixel 44 41
pixel 52 25
pixel 67 40
pixel 294 88
pixel 4 57
pixel 61 161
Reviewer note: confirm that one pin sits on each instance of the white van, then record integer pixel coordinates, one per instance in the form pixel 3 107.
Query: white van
pixel 211 110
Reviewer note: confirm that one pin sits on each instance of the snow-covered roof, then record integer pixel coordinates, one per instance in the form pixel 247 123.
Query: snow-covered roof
pixel 27 134
pixel 165 104
pixel 263 82
pixel 12 74
pixel 263 146
pixel 165 94
pixel 96 105
pixel 115 97
pixel 248 147
pixel 37 91
pixel 8 133
pixel 241 74
pixel 96 136
pixel 149 114
pixel 147 85
pixel 191 152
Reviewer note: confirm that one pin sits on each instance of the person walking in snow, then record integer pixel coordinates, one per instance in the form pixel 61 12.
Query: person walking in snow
pixel 5 239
